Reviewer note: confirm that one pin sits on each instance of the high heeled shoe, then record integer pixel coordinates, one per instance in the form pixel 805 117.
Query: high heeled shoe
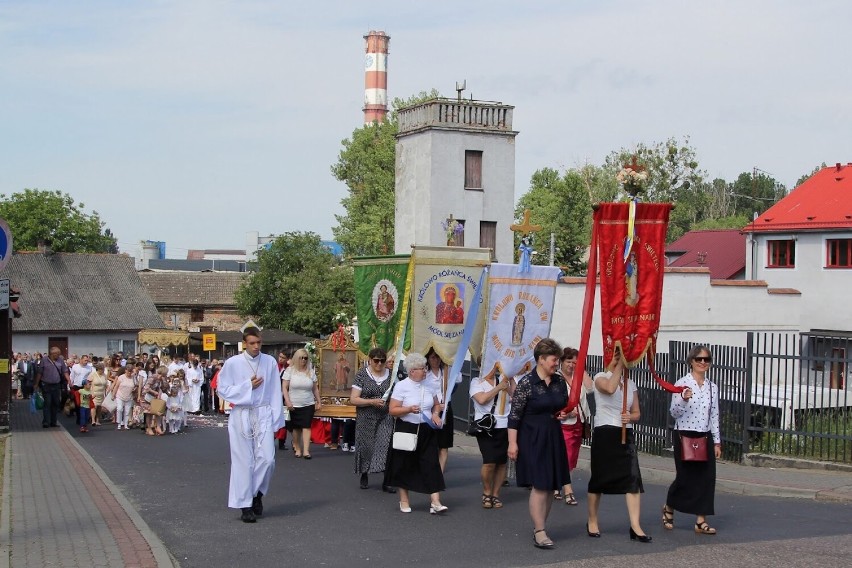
pixel 640 537
pixel 592 534
pixel 437 508
pixel 404 509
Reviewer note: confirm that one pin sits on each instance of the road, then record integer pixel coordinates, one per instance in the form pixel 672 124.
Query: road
pixel 316 514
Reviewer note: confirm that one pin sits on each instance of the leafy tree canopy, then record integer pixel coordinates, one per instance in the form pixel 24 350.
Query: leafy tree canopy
pixel 37 215
pixel 298 285
pixel 806 177
pixel 367 165
pixel 560 204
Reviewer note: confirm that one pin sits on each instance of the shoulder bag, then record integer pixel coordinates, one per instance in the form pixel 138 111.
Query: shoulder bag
pixel 696 449
pixel 407 441
pixel 485 424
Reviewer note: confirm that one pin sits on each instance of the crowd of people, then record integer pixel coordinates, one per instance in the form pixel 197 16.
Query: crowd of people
pixel 137 391
pixel 398 432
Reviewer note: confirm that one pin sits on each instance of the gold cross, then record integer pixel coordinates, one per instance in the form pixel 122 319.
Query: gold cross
pixel 525 227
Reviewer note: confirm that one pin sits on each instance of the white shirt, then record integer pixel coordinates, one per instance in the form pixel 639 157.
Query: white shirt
pixel 411 393
pixel 478 385
pixel 300 386
pixel 701 412
pixel 79 373
pixel 608 406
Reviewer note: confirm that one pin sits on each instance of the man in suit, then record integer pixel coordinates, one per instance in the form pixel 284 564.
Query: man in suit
pixel 26 374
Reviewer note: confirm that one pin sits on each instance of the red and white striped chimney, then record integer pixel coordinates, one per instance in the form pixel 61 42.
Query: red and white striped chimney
pixel 376 77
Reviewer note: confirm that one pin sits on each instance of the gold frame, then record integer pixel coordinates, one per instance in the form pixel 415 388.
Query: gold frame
pixel 335 404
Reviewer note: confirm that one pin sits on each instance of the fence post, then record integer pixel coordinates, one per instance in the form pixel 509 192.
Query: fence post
pixel 749 367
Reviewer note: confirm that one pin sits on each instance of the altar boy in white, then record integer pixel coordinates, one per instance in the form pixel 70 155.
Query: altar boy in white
pixel 250 382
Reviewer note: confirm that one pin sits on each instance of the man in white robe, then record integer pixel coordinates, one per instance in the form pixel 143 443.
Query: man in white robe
pixel 194 380
pixel 250 382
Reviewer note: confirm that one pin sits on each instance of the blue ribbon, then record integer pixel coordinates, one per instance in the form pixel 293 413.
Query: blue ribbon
pixel 455 370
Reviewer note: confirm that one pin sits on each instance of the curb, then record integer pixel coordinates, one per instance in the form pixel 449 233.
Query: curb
pixel 158 549
pixel 6 505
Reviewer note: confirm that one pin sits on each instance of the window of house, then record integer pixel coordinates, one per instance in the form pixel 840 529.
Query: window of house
pixel 782 253
pixel 127 347
pixel 473 169
pixel 457 239
pixel 196 314
pixel 488 235
pixel 838 253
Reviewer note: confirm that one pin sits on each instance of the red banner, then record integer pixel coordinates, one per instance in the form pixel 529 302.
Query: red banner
pixel 631 288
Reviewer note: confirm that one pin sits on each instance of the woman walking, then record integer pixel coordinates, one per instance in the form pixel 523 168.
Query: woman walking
pixel 301 396
pixel 373 425
pixel 696 414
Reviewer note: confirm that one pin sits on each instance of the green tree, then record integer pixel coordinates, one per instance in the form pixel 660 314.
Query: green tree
pixel 367 165
pixel 755 192
pixel 297 285
pixel 806 177
pixel 37 215
pixel 560 204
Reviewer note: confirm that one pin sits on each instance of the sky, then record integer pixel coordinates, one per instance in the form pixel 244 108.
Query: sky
pixel 195 121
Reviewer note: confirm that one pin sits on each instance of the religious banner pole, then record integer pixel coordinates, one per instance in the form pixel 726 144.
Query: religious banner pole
pixel 623 406
pixel 525 228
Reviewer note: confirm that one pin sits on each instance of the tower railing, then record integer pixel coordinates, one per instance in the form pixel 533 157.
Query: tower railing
pixel 479 115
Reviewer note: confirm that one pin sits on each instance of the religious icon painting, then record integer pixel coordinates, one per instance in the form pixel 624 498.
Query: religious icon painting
pixel 449 303
pixel 385 300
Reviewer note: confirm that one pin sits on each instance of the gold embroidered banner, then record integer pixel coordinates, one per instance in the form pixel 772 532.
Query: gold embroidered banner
pixel 445 281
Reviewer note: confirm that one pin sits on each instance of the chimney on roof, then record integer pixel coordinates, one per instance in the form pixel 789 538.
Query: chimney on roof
pixel 838 166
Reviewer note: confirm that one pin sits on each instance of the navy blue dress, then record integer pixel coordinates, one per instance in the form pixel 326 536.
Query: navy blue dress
pixel 542 461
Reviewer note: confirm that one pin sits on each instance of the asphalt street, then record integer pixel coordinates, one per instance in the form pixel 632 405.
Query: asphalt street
pixel 315 514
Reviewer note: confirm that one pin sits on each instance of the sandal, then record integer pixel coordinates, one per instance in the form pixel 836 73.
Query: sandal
pixel 496 502
pixel 486 501
pixel 570 499
pixel 704 528
pixel 668 518
pixel 557 495
pixel 546 544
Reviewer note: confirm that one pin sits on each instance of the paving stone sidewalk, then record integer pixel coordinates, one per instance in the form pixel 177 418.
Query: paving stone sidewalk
pixel 59 509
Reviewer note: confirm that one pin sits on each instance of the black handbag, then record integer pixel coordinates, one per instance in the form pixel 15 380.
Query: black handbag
pixel 486 424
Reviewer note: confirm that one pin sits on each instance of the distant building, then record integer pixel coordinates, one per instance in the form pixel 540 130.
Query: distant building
pixel 81 303
pixel 804 242
pixel 722 251
pixel 195 301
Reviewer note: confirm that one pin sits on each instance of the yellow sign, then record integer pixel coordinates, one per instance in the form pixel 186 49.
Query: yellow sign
pixel 4 366
pixel 209 341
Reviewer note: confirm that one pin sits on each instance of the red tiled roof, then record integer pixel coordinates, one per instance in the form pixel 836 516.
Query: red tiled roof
pixel 723 251
pixel 823 202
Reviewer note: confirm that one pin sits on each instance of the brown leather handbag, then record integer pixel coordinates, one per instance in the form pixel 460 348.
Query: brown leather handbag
pixel 693 449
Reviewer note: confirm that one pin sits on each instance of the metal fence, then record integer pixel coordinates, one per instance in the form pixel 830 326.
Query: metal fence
pixel 782 394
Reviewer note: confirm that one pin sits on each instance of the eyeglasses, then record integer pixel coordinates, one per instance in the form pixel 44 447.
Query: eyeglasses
pixel 417 369
pixel 703 359
pixel 379 361
pixel 303 358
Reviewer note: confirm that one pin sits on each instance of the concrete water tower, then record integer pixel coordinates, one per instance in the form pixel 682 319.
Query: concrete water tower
pixel 456 158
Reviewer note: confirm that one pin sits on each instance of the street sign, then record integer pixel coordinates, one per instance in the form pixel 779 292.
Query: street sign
pixel 5 244
pixel 4 294
pixel 209 341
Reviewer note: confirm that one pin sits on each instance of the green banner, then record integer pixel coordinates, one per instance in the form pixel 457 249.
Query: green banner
pixel 380 288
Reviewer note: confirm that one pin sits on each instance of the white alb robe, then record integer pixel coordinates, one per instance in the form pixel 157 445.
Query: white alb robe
pixel 194 380
pixel 255 416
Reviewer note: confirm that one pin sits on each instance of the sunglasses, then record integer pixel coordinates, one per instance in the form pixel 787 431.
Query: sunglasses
pixel 703 359
pixel 303 358
pixel 379 361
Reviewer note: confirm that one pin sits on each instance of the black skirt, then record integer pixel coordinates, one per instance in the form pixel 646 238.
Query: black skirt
pixel 417 471
pixel 615 466
pixel 694 489
pixel 445 434
pixel 494 448
pixel 300 418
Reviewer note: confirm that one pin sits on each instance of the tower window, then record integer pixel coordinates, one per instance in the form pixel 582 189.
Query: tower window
pixel 473 169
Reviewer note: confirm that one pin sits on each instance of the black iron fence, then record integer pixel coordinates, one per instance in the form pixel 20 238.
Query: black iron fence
pixel 782 394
